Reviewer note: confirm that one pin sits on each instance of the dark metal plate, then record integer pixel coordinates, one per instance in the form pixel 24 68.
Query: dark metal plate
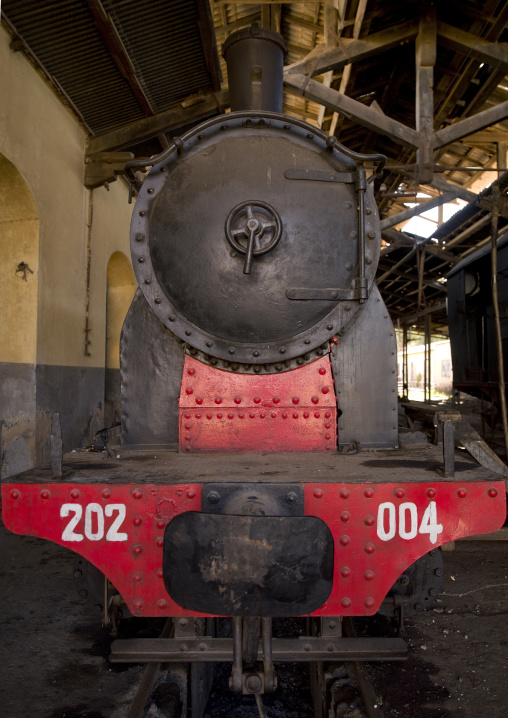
pixel 248 565
pixel 258 499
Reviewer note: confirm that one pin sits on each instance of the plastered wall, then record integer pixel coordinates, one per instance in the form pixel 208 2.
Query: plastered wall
pixel 45 144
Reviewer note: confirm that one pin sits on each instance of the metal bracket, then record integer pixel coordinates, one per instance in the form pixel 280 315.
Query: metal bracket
pixel 359 292
pixel 104 167
pixel 319 176
pixel 286 499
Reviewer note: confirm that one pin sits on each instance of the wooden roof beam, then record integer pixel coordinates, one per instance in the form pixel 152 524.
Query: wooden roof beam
pixel 193 110
pixel 364 115
pixel 425 55
pixel 351 50
pixel 469 125
pixel 419 209
pixel 492 53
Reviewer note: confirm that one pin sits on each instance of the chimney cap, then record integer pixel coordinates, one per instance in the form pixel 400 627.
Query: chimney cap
pixel 255 31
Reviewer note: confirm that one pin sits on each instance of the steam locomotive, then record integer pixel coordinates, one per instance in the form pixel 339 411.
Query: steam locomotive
pixel 261 472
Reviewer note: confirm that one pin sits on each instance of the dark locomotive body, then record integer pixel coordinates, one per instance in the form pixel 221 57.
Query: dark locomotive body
pixel 471 320
pixel 261 472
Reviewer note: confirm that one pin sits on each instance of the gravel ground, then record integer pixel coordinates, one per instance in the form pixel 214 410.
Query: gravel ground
pixel 53 651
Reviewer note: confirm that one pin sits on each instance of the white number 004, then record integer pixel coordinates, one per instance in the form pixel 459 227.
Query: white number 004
pixel 408 521
pixel 94 522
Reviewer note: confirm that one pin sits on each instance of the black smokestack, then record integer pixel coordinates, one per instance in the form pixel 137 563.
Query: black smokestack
pixel 255 60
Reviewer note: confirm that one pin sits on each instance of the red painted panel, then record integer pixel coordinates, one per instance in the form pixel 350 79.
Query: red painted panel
pixel 370 552
pixel 225 412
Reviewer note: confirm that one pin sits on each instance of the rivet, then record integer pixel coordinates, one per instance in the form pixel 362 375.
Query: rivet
pixel 327 437
pixel 369 575
pixel 369 548
pixel 106 494
pixel 213 497
pixel 137 521
pixel 369 521
pixel 148 281
pixel 161 603
pixel 315 399
pixel 353 235
pixel 431 493
pixel 345 572
pixel 139 237
pixel 237 399
pixel 257 369
pixel 276 400
pixel 161 524
pixel 306 647
pixel 278 367
pixel 346 602
pixel 368 493
pixel 322 371
pixel 282 350
pixel 189 390
pixel 318 493
pixel 492 493
pixel 273 414
pixel 187 448
pixel 150 190
pixel 137 577
pixel 306 341
pixel 310 135
pixel 344 493
pixel 306 414
pixel 284 415
pixel 328 448
pixel 325 390
pixel 348 266
pixel 368 211
pixel 317 414
pixel 199 400
pixel 137 550
pixel 190 493
pixel 187 416
pixel 329 647
pixel 345 540
pixel 257 400
pixel 191 372
pixel 219 416
pixel 345 516
pixel 137 494
pixel 369 602
pixel 75 494
pixel 15 494
pixel 157 300
pixel 291 497
pixel 202 646
pixel 347 308
pixel 160 542
pixel 262 416
pixel 160 572
pixel 347 205
pixel 164 169
pixel 368 260
pixel 462 493
pixel 138 604
pixel 141 260
pixel 172 318
pixel 371 235
pixel 209 344
pixel 400 493
pixel 183 648
pixel 45 494
pixel 218 400
pixel 252 416
pixel 188 332
pixel 295 400
pixel 327 425
pixel 255 354
pixel 142 213
pixel 295 415
pixel 327 415
pixel 240 416
pixel 231 350
pixel 231 416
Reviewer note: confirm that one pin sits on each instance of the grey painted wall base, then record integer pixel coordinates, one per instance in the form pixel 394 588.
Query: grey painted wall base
pixel 30 394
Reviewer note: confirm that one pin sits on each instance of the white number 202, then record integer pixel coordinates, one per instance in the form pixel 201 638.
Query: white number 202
pixel 94 529
pixel 408 521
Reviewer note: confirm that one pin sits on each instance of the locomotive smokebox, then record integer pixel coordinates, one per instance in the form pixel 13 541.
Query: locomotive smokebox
pixel 255 61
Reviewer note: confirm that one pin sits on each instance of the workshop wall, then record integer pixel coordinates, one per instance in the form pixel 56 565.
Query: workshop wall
pixel 53 340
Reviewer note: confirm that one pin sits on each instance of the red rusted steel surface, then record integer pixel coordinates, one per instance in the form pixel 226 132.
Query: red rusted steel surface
pixel 379 530
pixel 295 411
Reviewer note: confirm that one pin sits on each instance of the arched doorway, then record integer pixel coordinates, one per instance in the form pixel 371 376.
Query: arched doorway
pixel 120 291
pixel 19 260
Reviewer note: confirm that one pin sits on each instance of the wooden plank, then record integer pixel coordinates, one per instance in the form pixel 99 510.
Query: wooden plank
pixel 351 50
pixel 426 46
pixel 209 42
pixel 492 53
pixel 171 121
pixel 364 115
pixel 466 127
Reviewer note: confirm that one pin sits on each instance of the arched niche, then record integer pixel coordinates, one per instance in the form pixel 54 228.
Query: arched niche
pixel 121 286
pixel 19 260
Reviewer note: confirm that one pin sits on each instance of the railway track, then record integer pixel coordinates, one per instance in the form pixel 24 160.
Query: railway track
pixel 183 690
